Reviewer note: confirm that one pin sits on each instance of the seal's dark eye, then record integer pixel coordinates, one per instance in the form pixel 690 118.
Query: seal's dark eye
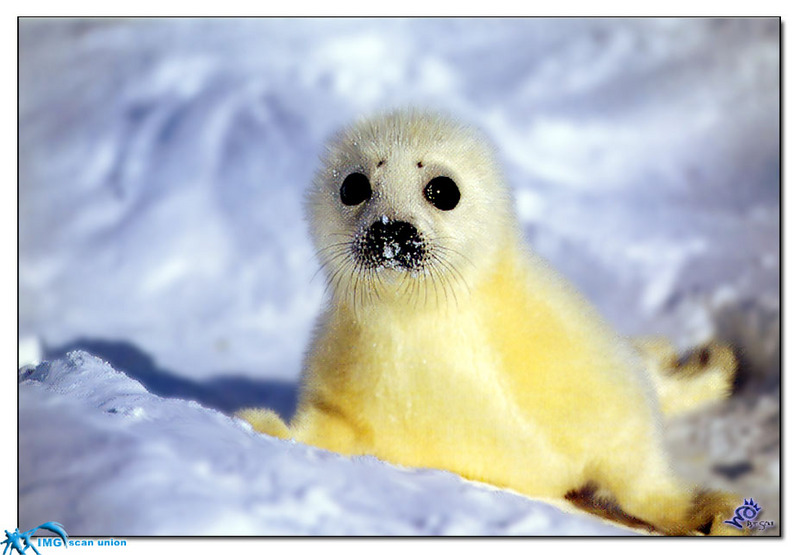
pixel 355 189
pixel 442 192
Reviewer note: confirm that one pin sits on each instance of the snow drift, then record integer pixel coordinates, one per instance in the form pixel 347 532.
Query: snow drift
pixel 102 456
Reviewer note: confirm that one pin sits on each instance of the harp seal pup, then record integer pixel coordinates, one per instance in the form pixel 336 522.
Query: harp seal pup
pixel 446 344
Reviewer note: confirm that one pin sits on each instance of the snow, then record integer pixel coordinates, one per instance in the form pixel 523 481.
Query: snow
pixel 162 168
pixel 133 463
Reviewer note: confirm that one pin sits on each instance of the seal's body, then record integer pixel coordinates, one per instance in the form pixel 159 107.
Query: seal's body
pixel 447 345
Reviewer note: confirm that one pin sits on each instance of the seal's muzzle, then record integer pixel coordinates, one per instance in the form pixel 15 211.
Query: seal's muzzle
pixel 393 244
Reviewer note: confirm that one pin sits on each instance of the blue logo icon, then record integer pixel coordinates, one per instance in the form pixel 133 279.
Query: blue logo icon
pixel 747 511
pixel 20 542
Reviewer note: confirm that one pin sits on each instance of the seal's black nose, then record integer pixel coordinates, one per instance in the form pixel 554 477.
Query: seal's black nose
pixel 394 244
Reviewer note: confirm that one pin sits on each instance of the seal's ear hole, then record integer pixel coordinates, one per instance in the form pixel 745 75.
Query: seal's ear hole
pixel 355 189
pixel 442 192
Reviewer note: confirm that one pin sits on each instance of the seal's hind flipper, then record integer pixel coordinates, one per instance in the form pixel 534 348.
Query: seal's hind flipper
pixel 685 383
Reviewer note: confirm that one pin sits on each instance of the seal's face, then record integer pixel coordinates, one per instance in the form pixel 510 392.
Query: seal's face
pixel 404 208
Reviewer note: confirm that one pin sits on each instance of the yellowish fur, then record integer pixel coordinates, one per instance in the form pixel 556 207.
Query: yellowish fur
pixel 488 364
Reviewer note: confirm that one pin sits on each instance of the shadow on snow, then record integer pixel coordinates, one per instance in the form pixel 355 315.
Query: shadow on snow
pixel 226 394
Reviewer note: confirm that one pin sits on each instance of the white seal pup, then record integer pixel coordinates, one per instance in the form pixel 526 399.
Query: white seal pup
pixel 446 344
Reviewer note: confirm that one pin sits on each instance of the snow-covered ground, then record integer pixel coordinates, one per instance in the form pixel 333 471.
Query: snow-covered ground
pixel 162 168
pixel 121 461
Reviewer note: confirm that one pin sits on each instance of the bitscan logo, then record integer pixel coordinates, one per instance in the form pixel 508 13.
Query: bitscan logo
pixel 21 541
pixel 745 515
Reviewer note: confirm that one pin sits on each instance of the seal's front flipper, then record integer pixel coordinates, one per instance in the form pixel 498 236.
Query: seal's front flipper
pixel 265 421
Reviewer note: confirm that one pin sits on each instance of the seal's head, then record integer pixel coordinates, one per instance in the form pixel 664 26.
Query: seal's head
pixel 406 206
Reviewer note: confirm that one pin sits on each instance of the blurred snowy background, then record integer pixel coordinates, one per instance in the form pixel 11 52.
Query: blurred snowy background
pixel 162 170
